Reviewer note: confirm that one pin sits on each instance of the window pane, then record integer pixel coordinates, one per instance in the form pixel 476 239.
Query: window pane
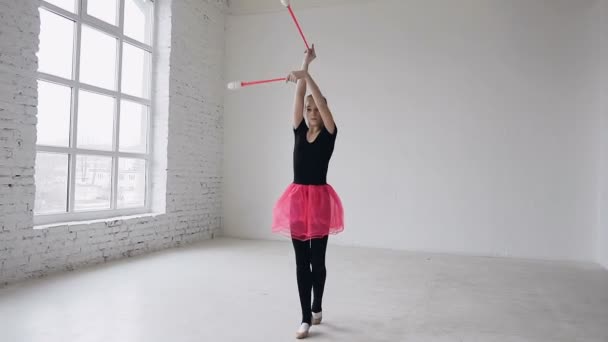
pixel 98 58
pixel 56 44
pixel 138 20
pixel 51 183
pixel 105 10
pixel 54 103
pixel 135 71
pixel 133 127
pixel 95 121
pixel 93 182
pixel 68 5
pixel 131 183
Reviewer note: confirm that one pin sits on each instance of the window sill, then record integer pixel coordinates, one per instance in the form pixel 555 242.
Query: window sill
pixel 109 222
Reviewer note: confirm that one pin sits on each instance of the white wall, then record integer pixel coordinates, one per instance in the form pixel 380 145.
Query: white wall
pixel 187 147
pixel 601 238
pixel 465 126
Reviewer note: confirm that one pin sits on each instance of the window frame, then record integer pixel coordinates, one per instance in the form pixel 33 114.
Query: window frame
pixel 79 18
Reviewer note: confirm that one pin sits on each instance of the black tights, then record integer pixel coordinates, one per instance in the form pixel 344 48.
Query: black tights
pixel 310 252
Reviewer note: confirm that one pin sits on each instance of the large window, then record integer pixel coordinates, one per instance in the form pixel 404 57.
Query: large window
pixel 94 109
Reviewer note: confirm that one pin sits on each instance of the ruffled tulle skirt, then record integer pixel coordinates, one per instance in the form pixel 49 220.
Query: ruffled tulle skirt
pixel 305 212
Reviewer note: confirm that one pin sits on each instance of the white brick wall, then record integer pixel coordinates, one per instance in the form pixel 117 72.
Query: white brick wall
pixel 188 129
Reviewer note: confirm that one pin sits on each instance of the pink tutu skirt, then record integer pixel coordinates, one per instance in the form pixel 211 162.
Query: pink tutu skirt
pixel 307 212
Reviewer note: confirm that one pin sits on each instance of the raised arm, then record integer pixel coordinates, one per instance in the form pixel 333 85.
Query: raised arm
pixel 326 116
pixel 298 101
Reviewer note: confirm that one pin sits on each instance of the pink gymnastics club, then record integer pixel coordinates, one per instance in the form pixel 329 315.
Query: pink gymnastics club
pixel 286 4
pixel 239 84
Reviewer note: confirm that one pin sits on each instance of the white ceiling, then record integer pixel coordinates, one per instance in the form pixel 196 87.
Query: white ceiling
pixel 243 7
pixel 240 7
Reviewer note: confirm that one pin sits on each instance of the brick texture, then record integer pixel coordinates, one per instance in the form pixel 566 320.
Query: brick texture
pixel 187 129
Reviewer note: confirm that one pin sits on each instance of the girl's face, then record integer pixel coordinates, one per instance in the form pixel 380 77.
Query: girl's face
pixel 312 113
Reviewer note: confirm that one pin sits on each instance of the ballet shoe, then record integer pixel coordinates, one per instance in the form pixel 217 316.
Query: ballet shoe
pixel 303 331
pixel 317 317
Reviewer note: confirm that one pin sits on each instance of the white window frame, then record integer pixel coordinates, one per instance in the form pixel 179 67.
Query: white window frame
pixel 79 18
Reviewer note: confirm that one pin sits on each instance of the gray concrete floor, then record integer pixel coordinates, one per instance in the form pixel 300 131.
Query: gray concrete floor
pixel 235 290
